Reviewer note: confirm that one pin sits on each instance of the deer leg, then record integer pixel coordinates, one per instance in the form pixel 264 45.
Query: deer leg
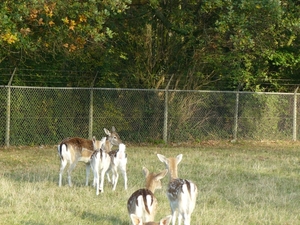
pixel 179 218
pixel 87 172
pixel 61 171
pixel 115 178
pixel 123 171
pixel 187 219
pixel 71 168
pixel 173 217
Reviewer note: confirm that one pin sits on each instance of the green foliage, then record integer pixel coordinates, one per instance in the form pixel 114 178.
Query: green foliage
pixel 267 122
pixel 152 44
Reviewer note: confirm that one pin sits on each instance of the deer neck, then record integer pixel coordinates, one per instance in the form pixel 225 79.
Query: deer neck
pixel 173 169
pixel 108 145
pixel 150 184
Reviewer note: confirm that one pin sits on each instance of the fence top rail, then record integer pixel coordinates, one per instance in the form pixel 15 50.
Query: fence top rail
pixel 137 89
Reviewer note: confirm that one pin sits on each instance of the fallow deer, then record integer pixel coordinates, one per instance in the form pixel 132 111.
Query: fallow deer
pixel 100 162
pixel 181 193
pixel 142 202
pixel 118 161
pixel 138 221
pixel 112 139
pixel 75 149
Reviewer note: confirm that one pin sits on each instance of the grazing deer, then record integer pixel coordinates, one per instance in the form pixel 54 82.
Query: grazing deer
pixel 142 202
pixel 138 221
pixel 181 193
pixel 72 150
pixel 100 162
pixel 118 161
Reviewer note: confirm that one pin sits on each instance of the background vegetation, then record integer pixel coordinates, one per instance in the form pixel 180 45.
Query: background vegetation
pixel 194 44
pixel 241 183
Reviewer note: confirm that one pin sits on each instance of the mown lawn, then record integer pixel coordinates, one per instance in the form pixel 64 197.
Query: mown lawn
pixel 239 183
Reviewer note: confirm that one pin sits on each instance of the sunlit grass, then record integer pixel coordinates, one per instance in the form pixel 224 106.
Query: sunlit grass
pixel 241 183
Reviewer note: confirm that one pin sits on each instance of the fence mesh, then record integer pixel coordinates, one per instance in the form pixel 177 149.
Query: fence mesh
pixel 36 115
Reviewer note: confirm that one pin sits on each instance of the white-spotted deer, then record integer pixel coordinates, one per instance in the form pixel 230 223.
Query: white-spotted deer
pixel 142 202
pixel 118 161
pixel 100 162
pixel 138 221
pixel 75 149
pixel 181 193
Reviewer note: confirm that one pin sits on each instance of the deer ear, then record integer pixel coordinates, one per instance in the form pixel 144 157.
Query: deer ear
pixel 166 220
pixel 179 158
pixel 106 131
pixel 161 158
pixel 145 171
pixel 135 219
pixel 161 175
pixel 113 129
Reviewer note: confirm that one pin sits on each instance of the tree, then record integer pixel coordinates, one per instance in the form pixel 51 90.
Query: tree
pixel 210 44
pixel 55 34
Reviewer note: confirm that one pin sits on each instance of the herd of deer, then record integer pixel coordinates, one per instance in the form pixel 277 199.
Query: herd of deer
pixel 142 204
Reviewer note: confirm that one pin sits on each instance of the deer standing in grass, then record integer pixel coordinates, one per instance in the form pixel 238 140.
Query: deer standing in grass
pixel 138 221
pixel 181 193
pixel 75 149
pixel 142 202
pixel 99 162
pixel 118 161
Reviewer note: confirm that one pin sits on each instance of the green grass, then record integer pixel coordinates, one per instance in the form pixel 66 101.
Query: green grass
pixel 239 183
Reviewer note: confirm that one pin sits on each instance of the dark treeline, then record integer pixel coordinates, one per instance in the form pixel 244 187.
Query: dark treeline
pixel 182 44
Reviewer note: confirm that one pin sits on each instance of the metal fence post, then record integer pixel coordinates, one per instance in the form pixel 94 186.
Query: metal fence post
pixel 7 135
pixel 166 112
pixel 295 115
pixel 236 115
pixel 165 132
pixel 91 113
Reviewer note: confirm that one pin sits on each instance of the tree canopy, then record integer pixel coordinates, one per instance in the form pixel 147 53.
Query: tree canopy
pixel 188 44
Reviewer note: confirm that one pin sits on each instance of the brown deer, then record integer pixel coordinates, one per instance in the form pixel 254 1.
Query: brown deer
pixel 181 193
pixel 76 149
pixel 142 202
pixel 138 221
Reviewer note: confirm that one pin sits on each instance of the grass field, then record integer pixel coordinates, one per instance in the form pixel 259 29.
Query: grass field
pixel 239 183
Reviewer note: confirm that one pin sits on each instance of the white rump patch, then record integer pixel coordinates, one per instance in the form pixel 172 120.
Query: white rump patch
pixel 149 202
pixel 121 153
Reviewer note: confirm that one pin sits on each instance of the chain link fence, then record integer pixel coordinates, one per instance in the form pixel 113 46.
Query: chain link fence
pixel 45 116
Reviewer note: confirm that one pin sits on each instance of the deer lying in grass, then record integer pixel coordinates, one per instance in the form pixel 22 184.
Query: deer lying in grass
pixel 72 150
pixel 138 221
pixel 100 162
pixel 142 202
pixel 181 193
pixel 118 161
